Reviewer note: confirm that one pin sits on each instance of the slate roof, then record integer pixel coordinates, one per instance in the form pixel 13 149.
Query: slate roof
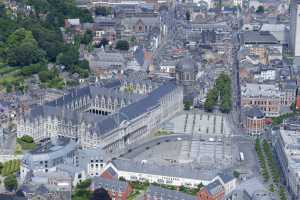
pixel 258 37
pixel 11 197
pixel 91 92
pixel 49 151
pixel 207 26
pixel 108 184
pixel 149 21
pixel 102 124
pixel 226 177
pixel 164 170
pixel 214 188
pixel 149 102
pixel 187 64
pixel 240 195
pixel 162 193
pixel 254 112
pixel 139 55
pixel 103 22
pixel 70 169
pixel 111 171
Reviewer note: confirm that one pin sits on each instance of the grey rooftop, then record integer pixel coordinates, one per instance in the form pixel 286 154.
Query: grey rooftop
pixel 162 193
pixel 113 185
pixel 164 170
pixel 214 187
pixel 101 125
pixel 258 37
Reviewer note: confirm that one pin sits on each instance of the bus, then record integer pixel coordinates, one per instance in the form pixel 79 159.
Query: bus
pixel 242 158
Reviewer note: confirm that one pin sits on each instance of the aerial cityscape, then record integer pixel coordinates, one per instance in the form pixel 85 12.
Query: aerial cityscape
pixel 149 100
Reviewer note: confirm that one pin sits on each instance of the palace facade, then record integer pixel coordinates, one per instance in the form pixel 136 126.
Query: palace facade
pixel 106 116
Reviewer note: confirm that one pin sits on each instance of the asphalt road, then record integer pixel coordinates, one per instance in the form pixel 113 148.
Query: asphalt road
pixel 133 151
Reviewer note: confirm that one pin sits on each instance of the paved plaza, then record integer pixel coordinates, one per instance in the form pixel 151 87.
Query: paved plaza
pixel 198 122
pixel 210 146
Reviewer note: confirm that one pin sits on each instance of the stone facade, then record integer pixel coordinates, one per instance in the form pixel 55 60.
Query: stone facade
pixel 254 121
pixel 96 116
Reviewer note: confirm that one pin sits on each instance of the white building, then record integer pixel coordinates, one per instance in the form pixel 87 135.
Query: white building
pixel 63 156
pixel 288 152
pixel 168 67
pixel 229 182
pixel 265 74
pixel 210 3
pixel 48 157
pixel 238 3
pixel 295 27
pixel 278 30
pixel 162 174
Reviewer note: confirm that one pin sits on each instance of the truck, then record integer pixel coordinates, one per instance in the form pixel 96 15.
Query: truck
pixel 242 157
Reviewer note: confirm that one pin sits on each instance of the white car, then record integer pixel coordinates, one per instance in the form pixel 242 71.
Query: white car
pixel 179 139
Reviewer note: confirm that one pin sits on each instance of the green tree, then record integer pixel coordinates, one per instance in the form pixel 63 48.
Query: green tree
pixel 211 100
pixel 225 106
pixel 18 36
pixel 87 37
pixel 187 15
pixel 133 40
pixel 2 10
pixel 25 54
pixel 260 10
pixel 187 105
pixel 40 6
pixel 236 174
pixel 27 138
pixel 23 49
pixel 10 182
pixel 122 45
pixel 1 167
pixel 68 58
pixel 103 11
pixel 271 188
pixel 84 64
pixel 100 194
pixel 49 40
pixel 84 184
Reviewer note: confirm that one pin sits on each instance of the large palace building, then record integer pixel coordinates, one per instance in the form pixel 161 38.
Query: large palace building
pixel 108 116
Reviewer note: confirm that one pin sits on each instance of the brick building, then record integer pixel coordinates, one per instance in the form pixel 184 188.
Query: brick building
pixel 117 190
pixel 267 97
pixel 254 121
pixel 213 191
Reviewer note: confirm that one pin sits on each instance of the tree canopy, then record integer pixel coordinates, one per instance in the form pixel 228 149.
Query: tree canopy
pixel 260 10
pixel 22 49
pixel 122 45
pixel 222 93
pixel 26 40
pixel 100 194
pixel 103 11
pixel 10 182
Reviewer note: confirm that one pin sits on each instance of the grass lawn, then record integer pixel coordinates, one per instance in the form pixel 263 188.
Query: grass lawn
pixel 138 188
pixel 134 194
pixel 9 79
pixel 163 132
pixel 6 70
